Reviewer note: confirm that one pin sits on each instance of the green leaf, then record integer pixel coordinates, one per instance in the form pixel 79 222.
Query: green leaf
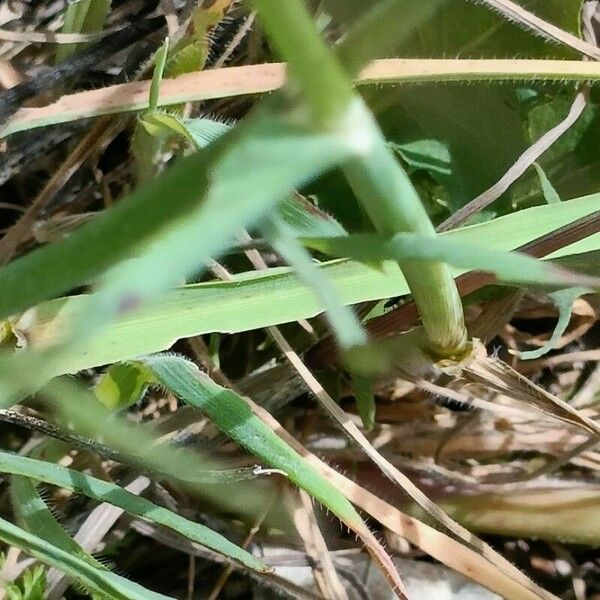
pixel 324 87
pixel 204 131
pixel 572 162
pixel 31 585
pixel 508 267
pixel 160 59
pixel 105 582
pixel 256 300
pixel 34 516
pixel 550 194
pixel 365 400
pixel 234 417
pixel 104 491
pixel 380 29
pixel 563 300
pixel 480 126
pixel 82 16
pixel 245 186
pixel 344 322
pixel 297 214
pixel 190 57
pixel 470 31
pixel 222 189
pixel 426 154
pixel 122 385
pixel 300 218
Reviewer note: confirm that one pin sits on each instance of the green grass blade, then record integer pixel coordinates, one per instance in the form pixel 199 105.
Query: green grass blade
pixel 362 388
pixel 274 297
pixel 34 516
pixel 345 323
pixel 377 179
pixel 508 267
pixel 111 585
pixel 82 16
pixel 550 194
pixel 563 300
pixel 127 443
pixel 326 90
pixel 104 491
pixel 234 417
pixel 247 179
pixel 122 385
pixel 160 60
pixel 295 212
pixel 245 186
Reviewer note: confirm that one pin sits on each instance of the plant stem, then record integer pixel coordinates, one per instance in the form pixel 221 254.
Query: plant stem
pixel 378 180
pixel 326 89
pixel 393 205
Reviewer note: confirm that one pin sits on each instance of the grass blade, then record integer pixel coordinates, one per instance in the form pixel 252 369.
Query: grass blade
pixel 104 491
pixel 243 304
pixel 232 415
pixel 345 323
pixel 262 78
pixel 103 581
pixel 35 516
pixel 230 201
pixel 508 267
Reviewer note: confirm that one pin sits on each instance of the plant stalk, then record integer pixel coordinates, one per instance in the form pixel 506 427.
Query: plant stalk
pixel 378 180
pixel 393 205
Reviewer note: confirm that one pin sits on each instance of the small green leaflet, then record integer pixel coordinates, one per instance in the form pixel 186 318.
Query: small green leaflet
pixel 550 194
pixel 563 300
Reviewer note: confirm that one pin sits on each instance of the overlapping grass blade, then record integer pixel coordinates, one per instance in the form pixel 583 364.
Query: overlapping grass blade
pixel 222 189
pixel 34 516
pixel 508 267
pixel 274 297
pixel 129 444
pixel 104 491
pixel 110 584
pixel 232 415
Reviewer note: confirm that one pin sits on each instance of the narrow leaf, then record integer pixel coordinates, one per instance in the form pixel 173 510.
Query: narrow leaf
pixel 508 267
pixel 345 323
pixel 365 400
pixel 104 491
pixel 107 583
pixel 232 415
pixel 550 194
pixel 563 300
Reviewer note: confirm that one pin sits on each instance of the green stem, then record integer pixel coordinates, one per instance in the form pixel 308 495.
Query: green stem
pixel 393 205
pixel 378 180
pixel 326 89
